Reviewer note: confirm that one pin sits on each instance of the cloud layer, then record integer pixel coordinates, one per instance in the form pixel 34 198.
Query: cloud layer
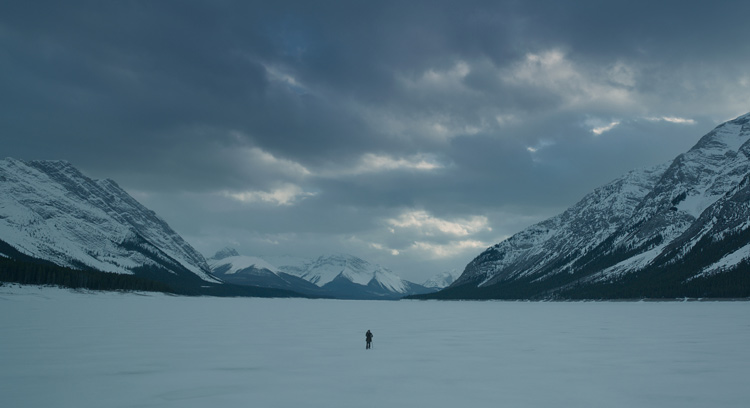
pixel 413 134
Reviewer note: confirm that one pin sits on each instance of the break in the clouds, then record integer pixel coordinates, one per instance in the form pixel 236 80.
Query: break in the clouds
pixel 413 134
pixel 429 225
pixel 286 194
pixel 598 130
pixel 672 119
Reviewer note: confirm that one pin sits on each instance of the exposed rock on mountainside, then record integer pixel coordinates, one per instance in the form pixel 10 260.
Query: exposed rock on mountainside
pixel 674 230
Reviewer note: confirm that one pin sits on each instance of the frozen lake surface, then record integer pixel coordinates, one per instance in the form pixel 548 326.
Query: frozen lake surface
pixel 64 349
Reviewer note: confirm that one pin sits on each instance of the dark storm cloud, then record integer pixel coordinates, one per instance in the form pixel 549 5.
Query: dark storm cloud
pixel 387 127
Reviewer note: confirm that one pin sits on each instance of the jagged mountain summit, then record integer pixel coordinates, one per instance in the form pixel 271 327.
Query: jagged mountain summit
pixel 350 277
pixel 340 276
pixel 327 269
pixel 52 214
pixel 232 267
pixel 673 230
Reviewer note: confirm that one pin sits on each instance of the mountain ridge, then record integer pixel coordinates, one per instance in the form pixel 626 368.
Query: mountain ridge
pixel 52 211
pixel 55 221
pixel 337 275
pixel 635 233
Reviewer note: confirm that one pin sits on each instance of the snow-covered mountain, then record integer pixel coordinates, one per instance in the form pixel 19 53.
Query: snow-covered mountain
pixel 350 277
pixel 238 269
pixel 440 281
pixel 326 269
pixel 51 212
pixel 340 276
pixel 678 229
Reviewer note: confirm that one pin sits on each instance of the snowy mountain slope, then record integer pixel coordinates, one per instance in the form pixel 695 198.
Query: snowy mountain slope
pixel 652 231
pixel 50 211
pixel 693 182
pixel 237 269
pixel 327 268
pixel 341 276
pixel 721 235
pixel 350 277
pixel 439 281
pixel 560 241
pixel 336 272
pixel 388 280
pixel 234 264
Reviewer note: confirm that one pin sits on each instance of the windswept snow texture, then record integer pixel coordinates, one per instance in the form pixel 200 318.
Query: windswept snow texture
pixel 65 349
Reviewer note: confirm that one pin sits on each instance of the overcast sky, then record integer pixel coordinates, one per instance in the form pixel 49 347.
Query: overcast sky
pixel 413 134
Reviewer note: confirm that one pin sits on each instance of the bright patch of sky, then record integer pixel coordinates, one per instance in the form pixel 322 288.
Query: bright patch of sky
pixel 258 157
pixel 447 250
pixel 606 128
pixel 285 195
pixel 373 163
pixel 381 247
pixel 540 145
pixel 673 119
pixel 553 72
pixel 279 75
pixel 426 224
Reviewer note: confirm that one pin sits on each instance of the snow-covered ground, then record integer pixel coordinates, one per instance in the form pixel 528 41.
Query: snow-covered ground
pixel 64 349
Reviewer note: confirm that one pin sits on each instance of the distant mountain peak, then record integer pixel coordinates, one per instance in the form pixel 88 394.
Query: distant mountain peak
pixel 225 252
pixel 336 275
pixel 440 280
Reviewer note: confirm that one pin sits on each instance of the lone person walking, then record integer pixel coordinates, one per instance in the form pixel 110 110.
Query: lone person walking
pixel 368 338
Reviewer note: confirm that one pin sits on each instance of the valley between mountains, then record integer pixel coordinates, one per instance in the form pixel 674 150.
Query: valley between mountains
pixel 674 230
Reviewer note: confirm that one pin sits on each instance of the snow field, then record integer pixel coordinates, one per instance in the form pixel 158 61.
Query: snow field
pixel 64 349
